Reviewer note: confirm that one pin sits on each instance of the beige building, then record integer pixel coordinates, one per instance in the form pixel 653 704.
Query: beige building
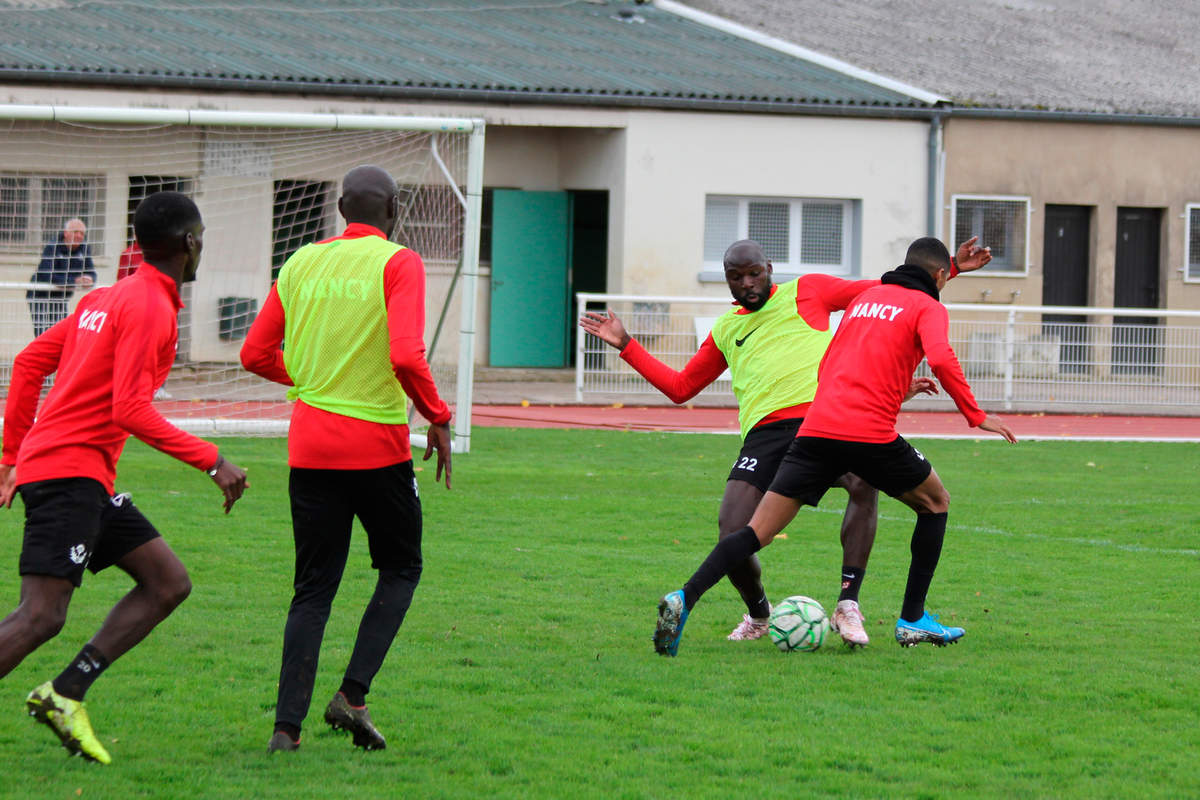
pixel 1123 196
pixel 623 159
pixel 1070 143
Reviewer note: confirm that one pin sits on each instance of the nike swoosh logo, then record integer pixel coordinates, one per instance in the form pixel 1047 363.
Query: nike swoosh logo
pixel 742 341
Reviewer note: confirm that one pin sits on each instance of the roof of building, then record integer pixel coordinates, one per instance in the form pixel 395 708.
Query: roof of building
pixel 610 52
pixel 1097 56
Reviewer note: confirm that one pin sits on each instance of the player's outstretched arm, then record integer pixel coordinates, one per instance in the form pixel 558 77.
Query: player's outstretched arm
pixel 608 328
pixel 971 256
pixel 231 479
pixel 438 438
pixel 679 386
pixel 995 425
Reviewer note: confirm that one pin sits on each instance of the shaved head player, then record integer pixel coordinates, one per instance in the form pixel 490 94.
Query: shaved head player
pixel 772 344
pixel 851 427
pixel 352 310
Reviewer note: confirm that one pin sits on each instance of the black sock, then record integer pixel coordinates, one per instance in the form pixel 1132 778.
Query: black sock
pixel 355 692
pixel 293 731
pixel 852 578
pixel 729 552
pixel 76 679
pixel 761 609
pixel 926 548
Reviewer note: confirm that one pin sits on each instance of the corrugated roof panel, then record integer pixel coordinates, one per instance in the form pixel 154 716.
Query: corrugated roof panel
pixel 602 48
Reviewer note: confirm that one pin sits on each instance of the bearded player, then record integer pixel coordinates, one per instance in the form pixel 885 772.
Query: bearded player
pixel 772 344
pixel 851 427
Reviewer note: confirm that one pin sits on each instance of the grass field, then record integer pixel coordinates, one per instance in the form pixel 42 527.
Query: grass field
pixel 525 667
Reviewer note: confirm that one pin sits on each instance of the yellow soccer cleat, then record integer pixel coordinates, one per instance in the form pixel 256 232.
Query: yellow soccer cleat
pixel 69 721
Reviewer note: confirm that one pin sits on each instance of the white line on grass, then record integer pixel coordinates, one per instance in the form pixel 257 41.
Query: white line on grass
pixel 1132 548
pixel 1049 437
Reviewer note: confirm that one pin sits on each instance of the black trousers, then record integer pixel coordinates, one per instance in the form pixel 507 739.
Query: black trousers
pixel 46 313
pixel 324 505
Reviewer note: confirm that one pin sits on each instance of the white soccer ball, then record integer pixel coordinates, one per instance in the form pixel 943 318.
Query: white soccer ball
pixel 798 623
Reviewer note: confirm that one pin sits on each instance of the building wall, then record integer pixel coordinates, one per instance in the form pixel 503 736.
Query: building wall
pixel 1096 165
pixel 657 167
pixel 675 160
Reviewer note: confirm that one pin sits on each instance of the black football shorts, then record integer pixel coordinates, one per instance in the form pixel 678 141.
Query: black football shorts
pixel 812 464
pixel 72 523
pixel 763 451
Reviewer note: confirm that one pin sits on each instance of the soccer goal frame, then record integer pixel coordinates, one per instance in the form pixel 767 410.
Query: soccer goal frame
pixel 468 194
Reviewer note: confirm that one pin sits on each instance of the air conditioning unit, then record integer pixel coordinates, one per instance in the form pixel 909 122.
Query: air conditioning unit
pixel 984 357
pixel 1037 357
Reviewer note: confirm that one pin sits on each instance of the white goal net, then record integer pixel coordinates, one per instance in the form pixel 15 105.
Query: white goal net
pixel 266 184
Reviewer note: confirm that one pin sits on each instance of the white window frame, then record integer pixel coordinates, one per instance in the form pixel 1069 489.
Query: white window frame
pixel 35 238
pixel 715 270
pixel 1189 258
pixel 988 272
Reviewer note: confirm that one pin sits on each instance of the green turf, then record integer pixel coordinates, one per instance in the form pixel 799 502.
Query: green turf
pixel 525 668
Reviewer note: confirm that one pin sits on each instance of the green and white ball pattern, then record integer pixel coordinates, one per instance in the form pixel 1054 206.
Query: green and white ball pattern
pixel 798 623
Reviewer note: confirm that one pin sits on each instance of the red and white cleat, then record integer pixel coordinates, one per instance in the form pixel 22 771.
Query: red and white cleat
pixel 749 628
pixel 848 622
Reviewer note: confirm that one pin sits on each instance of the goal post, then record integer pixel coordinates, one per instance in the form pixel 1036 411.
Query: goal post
pixel 266 183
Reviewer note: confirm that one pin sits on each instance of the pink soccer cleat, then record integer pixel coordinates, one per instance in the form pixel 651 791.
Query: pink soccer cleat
pixel 848 622
pixel 749 628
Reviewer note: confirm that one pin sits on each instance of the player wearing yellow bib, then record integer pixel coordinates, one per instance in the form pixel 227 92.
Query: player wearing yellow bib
pixel 351 310
pixel 772 344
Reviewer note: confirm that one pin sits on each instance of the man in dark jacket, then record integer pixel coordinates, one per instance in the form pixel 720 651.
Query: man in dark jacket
pixel 66 264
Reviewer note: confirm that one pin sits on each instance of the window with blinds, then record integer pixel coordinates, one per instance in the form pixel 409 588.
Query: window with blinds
pixel 34 208
pixel 1001 223
pixel 798 235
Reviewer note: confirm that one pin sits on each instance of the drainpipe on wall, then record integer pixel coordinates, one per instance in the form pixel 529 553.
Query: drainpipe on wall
pixel 936 167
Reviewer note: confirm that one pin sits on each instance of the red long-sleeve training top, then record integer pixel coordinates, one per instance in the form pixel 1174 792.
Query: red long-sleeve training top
pixel 108 356
pixel 319 439
pixel 869 365
pixel 817 296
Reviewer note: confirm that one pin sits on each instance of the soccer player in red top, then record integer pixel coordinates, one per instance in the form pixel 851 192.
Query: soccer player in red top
pixel 772 344
pixel 352 312
pixel 130 259
pixel 851 427
pixel 107 358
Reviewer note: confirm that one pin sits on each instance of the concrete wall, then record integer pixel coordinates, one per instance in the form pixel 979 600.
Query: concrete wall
pixel 674 160
pixel 1097 165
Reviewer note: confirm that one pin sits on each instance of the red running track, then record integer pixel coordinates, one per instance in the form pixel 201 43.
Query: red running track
pixel 918 423
pixel 929 424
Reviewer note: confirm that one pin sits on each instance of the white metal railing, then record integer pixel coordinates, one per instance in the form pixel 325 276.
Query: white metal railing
pixel 1016 358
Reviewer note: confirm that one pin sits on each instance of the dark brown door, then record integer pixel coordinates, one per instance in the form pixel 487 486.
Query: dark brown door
pixel 1066 256
pixel 1137 341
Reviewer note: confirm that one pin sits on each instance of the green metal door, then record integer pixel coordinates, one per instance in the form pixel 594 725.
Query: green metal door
pixel 530 269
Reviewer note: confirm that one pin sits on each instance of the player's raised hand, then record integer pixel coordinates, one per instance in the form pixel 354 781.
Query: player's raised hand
pixel 606 327
pixel 438 438
pixel 971 256
pixel 231 479
pixel 995 425
pixel 8 484
pixel 920 386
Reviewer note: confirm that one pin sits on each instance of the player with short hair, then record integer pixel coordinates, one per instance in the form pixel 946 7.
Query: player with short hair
pixel 851 427
pixel 352 311
pixel 772 344
pixel 108 357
